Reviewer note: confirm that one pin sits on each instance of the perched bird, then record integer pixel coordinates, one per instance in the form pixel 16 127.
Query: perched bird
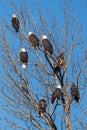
pixel 47 45
pixel 15 23
pixel 74 92
pixel 56 95
pixel 59 63
pixel 42 106
pixel 33 39
pixel 23 57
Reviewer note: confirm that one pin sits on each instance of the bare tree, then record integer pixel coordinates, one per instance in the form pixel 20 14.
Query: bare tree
pixel 21 89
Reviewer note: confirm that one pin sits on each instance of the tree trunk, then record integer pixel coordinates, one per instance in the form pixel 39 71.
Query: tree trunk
pixel 67 110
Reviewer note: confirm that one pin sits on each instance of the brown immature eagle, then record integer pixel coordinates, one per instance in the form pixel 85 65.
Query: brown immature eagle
pixel 74 92
pixel 15 23
pixel 42 106
pixel 56 94
pixel 59 63
pixel 23 57
pixel 34 41
pixel 47 45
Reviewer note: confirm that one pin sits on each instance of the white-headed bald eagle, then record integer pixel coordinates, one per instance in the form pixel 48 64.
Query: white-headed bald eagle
pixel 42 106
pixel 33 39
pixel 56 95
pixel 23 57
pixel 74 92
pixel 15 22
pixel 47 45
pixel 59 63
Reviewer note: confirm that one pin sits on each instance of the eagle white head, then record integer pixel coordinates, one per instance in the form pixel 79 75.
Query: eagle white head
pixel 43 37
pixel 22 50
pixel 14 15
pixel 23 66
pixel 59 86
pixel 30 33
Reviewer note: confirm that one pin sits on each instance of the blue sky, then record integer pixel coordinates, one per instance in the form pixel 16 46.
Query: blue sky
pixel 55 8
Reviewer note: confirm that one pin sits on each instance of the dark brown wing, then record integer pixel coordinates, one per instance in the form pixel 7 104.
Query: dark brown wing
pixel 77 97
pixel 56 95
pixel 59 62
pixel 61 56
pixel 15 24
pixel 34 41
pixel 42 105
pixel 57 67
pixel 24 57
pixel 75 93
pixel 47 46
pixel 73 89
pixel 60 59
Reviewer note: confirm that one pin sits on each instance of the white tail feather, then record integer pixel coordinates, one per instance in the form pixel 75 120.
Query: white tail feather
pixel 23 66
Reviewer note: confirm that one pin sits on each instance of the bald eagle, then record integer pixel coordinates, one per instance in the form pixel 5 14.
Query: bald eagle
pixel 15 22
pixel 23 57
pixel 59 62
pixel 56 95
pixel 42 106
pixel 74 92
pixel 47 45
pixel 33 39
